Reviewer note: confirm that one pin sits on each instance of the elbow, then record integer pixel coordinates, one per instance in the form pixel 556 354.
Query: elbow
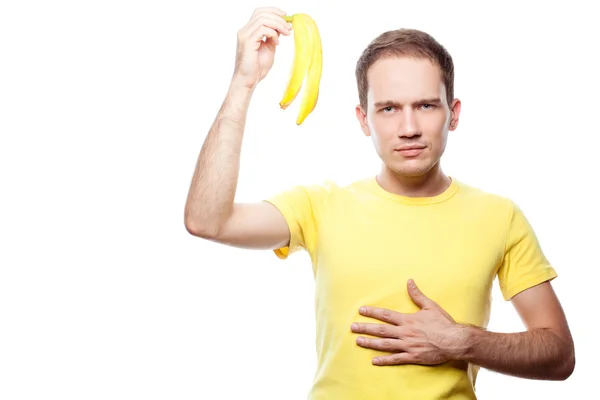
pixel 566 367
pixel 203 231
pixel 191 228
pixel 198 227
pixel 204 223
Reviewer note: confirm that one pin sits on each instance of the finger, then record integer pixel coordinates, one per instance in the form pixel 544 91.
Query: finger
pixel 272 43
pixel 382 314
pixel 417 296
pixel 272 21
pixel 395 359
pixel 263 32
pixel 249 31
pixel 381 330
pixel 389 345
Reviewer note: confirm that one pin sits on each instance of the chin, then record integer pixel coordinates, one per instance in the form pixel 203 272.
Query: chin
pixel 412 169
pixel 410 173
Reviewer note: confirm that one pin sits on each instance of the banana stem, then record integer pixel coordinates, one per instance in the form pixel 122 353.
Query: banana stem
pixel 288 18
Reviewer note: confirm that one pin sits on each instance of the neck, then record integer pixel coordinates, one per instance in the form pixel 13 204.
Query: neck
pixel 430 184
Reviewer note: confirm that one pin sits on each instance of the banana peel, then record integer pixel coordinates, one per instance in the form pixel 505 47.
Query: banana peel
pixel 307 66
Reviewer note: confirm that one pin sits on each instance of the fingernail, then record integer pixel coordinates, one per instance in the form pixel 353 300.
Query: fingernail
pixel 362 310
pixel 376 361
pixel 354 327
pixel 360 340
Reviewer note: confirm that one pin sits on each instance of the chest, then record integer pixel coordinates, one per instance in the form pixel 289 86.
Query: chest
pixel 367 254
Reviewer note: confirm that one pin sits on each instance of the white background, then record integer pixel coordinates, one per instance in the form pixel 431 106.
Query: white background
pixel 104 106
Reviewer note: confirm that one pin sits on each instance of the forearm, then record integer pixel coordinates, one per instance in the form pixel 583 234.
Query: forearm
pixel 212 192
pixel 534 354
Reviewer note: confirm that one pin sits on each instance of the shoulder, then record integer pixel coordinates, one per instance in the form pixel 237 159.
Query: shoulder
pixel 318 195
pixel 327 188
pixel 486 197
pixel 304 194
pixel 488 204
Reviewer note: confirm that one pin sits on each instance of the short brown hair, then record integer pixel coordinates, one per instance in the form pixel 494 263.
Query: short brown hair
pixel 404 42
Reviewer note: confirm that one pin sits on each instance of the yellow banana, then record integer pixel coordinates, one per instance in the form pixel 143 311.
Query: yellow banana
pixel 307 66
pixel 313 79
pixel 301 63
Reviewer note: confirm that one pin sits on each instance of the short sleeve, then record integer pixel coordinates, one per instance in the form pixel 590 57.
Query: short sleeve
pixel 524 264
pixel 301 207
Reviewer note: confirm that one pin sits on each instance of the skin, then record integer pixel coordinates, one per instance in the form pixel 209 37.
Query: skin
pixel 210 211
pixel 431 336
pixel 407 105
pixel 400 111
pixel 545 351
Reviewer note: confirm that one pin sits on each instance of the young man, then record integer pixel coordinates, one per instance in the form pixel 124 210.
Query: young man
pixel 409 225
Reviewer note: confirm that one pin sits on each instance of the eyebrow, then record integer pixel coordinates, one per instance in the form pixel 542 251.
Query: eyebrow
pixel 392 103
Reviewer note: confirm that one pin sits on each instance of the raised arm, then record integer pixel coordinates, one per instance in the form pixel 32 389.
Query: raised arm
pixel 210 211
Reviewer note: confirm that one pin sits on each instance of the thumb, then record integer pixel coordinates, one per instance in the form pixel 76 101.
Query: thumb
pixel 416 295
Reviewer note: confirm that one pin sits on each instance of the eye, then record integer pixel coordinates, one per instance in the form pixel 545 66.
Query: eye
pixel 388 109
pixel 427 106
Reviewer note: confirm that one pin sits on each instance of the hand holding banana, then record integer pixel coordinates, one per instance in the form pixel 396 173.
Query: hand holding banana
pixel 257 41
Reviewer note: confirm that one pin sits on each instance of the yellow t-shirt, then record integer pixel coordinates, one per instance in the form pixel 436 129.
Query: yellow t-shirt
pixel 365 243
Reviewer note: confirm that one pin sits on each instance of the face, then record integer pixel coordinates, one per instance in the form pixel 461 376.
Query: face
pixel 408 116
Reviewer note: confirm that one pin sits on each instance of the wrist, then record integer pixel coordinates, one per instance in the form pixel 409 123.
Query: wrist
pixel 241 83
pixel 461 342
pixel 237 100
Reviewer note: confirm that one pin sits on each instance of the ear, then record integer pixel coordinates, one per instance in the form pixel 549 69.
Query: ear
pixel 361 115
pixel 454 114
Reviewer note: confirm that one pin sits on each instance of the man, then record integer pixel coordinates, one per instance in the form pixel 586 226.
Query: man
pixel 404 262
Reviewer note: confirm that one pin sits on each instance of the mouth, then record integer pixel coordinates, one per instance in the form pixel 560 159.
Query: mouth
pixel 410 151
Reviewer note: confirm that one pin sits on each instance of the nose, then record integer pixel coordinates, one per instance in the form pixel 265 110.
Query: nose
pixel 409 126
